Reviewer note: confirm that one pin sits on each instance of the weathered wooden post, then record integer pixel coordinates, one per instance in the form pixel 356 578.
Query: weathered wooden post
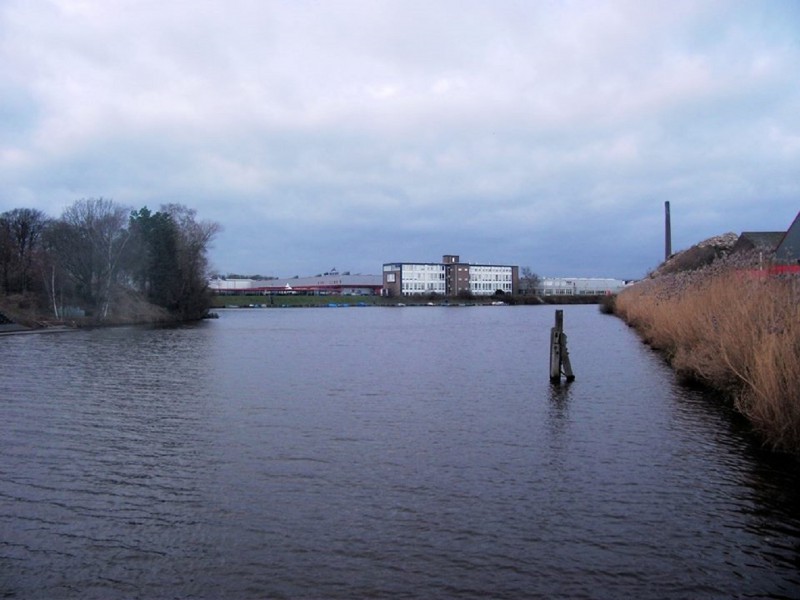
pixel 555 347
pixel 559 355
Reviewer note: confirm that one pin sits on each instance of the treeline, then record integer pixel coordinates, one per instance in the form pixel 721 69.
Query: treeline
pixel 107 261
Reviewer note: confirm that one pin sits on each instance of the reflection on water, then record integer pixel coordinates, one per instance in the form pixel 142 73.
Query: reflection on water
pixel 558 418
pixel 559 400
pixel 379 453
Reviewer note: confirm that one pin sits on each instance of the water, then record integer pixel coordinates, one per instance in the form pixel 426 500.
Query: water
pixel 381 453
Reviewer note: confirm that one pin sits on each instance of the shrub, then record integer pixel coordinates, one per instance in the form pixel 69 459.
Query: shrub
pixel 607 304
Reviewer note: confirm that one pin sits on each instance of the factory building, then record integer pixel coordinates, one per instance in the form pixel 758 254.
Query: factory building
pixel 451 277
pixel 578 286
pixel 321 285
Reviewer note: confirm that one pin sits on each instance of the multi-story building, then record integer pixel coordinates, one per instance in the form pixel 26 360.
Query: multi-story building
pixel 451 277
pixel 408 279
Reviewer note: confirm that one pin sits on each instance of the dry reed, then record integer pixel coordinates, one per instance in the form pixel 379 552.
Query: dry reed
pixel 733 330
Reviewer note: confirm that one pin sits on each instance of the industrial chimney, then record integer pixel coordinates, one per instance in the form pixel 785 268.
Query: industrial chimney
pixel 667 232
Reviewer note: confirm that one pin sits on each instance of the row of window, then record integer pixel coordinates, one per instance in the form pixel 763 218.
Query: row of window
pixel 571 292
pixel 490 277
pixel 489 287
pixel 491 270
pixel 422 276
pixel 412 274
pixel 423 287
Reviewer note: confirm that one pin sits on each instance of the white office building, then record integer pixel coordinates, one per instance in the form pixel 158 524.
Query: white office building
pixel 417 278
pixel 485 280
pixel 451 277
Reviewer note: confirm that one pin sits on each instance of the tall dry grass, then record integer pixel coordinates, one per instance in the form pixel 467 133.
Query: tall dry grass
pixel 734 331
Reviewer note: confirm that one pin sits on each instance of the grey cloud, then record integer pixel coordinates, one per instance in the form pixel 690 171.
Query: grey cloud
pixel 359 132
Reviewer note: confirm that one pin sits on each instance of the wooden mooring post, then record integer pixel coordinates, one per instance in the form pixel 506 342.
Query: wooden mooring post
pixel 559 355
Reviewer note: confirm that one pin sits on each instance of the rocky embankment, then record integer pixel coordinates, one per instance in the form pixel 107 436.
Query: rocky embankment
pixel 698 256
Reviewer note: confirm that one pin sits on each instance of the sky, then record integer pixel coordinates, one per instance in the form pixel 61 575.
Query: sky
pixel 345 134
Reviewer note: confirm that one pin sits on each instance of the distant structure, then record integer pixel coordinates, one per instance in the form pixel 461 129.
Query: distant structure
pixel 778 252
pixel 788 250
pixel 578 286
pixel 322 285
pixel 451 277
pixel 763 241
pixel 667 232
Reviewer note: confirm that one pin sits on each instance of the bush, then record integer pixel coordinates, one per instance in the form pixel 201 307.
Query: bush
pixel 607 304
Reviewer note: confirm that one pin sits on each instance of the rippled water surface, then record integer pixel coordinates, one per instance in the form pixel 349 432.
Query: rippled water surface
pixel 379 453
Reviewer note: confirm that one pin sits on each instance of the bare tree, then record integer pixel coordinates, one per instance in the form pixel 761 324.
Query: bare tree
pixel 98 252
pixel 528 281
pixel 20 243
pixel 90 240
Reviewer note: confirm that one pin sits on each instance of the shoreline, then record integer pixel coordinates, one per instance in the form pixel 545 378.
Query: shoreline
pixel 21 330
pixel 259 302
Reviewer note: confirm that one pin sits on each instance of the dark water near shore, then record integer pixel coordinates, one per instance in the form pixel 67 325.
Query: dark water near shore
pixel 379 453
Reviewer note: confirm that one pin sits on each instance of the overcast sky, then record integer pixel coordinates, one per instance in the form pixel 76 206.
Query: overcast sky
pixel 347 134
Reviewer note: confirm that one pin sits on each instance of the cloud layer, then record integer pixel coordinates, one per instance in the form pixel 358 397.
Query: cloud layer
pixel 545 134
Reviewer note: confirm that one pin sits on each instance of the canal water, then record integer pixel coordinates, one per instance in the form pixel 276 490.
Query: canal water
pixel 379 453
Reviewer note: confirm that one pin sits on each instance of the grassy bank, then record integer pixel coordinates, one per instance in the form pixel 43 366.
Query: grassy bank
pixel 290 301
pixel 733 331
pixel 127 308
pixel 294 301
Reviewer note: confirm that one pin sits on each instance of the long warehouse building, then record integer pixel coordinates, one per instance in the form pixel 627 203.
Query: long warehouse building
pixel 328 284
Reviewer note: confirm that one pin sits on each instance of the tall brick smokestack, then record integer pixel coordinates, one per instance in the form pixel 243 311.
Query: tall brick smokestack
pixel 667 232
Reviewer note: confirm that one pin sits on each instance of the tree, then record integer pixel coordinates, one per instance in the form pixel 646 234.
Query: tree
pixel 20 245
pixel 100 254
pixel 528 281
pixel 153 262
pixel 193 239
pixel 89 242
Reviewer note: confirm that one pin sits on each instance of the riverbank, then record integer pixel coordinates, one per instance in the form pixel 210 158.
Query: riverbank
pixel 732 330
pixel 21 314
pixel 299 301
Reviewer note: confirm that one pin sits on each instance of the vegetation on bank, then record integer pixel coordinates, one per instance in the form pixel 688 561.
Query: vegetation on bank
pixel 732 328
pixel 101 262
pixel 290 300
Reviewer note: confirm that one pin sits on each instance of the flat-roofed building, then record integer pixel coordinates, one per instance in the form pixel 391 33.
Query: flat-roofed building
pixel 408 279
pixel 578 286
pixel 451 277
pixel 488 279
pixel 328 284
